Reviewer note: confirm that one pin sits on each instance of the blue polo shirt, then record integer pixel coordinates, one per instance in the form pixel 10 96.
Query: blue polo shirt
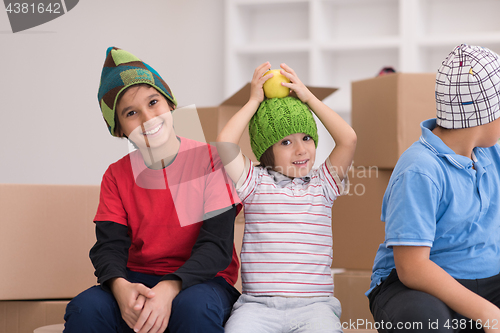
pixel 447 202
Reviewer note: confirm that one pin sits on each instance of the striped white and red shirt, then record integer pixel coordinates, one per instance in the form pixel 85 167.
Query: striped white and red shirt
pixel 287 244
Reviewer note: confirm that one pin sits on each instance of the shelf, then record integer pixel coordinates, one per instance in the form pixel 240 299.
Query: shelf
pixel 279 47
pixel 432 51
pixel 266 2
pixel 432 57
pixel 275 21
pixel 360 45
pixel 331 43
pixel 456 17
pixel 359 19
pixel 340 68
pixel 450 40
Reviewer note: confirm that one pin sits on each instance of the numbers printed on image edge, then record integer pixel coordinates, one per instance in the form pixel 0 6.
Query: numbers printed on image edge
pixel 469 323
pixel 25 8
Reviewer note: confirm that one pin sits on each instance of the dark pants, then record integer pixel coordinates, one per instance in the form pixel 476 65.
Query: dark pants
pixel 204 307
pixel 397 308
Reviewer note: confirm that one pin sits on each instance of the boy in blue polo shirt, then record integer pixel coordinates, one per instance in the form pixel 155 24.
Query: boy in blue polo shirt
pixel 438 269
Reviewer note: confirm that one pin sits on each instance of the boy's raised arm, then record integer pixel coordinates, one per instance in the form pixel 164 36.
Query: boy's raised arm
pixel 229 137
pixel 343 134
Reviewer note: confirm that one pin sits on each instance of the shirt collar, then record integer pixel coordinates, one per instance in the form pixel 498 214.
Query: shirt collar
pixel 282 180
pixel 438 147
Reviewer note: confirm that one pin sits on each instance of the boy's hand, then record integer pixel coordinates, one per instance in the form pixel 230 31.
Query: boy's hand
pixel 256 91
pixel 295 84
pixel 128 295
pixel 491 321
pixel 155 312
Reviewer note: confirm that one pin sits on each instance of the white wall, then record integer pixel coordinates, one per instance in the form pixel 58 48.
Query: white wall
pixel 52 131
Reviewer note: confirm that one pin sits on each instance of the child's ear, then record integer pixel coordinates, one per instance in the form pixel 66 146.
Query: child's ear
pixel 118 132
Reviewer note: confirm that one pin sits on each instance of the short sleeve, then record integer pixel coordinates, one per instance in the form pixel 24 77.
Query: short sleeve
pixel 219 192
pixel 246 185
pixel 334 187
pixel 409 210
pixel 110 202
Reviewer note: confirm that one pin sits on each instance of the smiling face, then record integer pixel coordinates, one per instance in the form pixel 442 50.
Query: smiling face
pixel 294 155
pixel 144 117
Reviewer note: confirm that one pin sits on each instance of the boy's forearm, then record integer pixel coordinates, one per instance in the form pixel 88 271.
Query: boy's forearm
pixel 424 275
pixel 114 284
pixel 441 285
pixel 229 138
pixel 339 129
pixel 109 255
pixel 235 127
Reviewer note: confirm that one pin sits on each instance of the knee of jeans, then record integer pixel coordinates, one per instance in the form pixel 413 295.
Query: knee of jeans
pixel 424 309
pixel 197 301
pixel 92 303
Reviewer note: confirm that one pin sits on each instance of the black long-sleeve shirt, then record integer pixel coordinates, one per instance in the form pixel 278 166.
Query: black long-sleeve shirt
pixel 211 253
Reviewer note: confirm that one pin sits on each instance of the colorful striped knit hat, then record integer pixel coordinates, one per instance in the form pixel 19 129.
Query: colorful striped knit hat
pixel 277 118
pixel 468 88
pixel 121 70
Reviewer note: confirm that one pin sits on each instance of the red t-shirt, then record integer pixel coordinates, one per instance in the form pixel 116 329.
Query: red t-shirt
pixel 163 208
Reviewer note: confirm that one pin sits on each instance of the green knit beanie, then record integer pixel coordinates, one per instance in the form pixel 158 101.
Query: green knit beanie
pixel 121 70
pixel 277 118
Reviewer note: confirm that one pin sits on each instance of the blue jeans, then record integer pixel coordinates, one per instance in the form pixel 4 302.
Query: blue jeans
pixel 204 307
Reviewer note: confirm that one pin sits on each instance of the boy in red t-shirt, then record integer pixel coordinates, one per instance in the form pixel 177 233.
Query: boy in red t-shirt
pixel 164 255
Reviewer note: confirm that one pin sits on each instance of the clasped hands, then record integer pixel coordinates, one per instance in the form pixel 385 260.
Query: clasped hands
pixel 145 309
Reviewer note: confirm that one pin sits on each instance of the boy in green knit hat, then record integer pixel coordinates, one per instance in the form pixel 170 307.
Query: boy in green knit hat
pixel 287 245
pixel 165 222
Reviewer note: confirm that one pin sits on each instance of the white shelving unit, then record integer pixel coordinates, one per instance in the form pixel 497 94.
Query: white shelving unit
pixel 334 42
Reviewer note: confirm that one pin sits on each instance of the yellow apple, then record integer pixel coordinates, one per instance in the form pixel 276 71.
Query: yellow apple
pixel 273 88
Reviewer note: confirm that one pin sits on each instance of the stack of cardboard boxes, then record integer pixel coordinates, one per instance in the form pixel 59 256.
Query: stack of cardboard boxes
pixel 46 232
pixel 386 113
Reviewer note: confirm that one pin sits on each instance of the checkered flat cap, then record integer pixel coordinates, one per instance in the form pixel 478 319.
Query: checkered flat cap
pixel 468 88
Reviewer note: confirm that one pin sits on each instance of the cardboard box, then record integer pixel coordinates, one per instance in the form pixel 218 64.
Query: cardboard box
pixel 26 316
pixel 357 229
pixel 45 238
pixel 46 235
pixel 386 115
pixel 350 288
pixel 213 119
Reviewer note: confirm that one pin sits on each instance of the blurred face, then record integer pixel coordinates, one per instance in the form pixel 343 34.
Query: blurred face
pixel 294 155
pixel 145 118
